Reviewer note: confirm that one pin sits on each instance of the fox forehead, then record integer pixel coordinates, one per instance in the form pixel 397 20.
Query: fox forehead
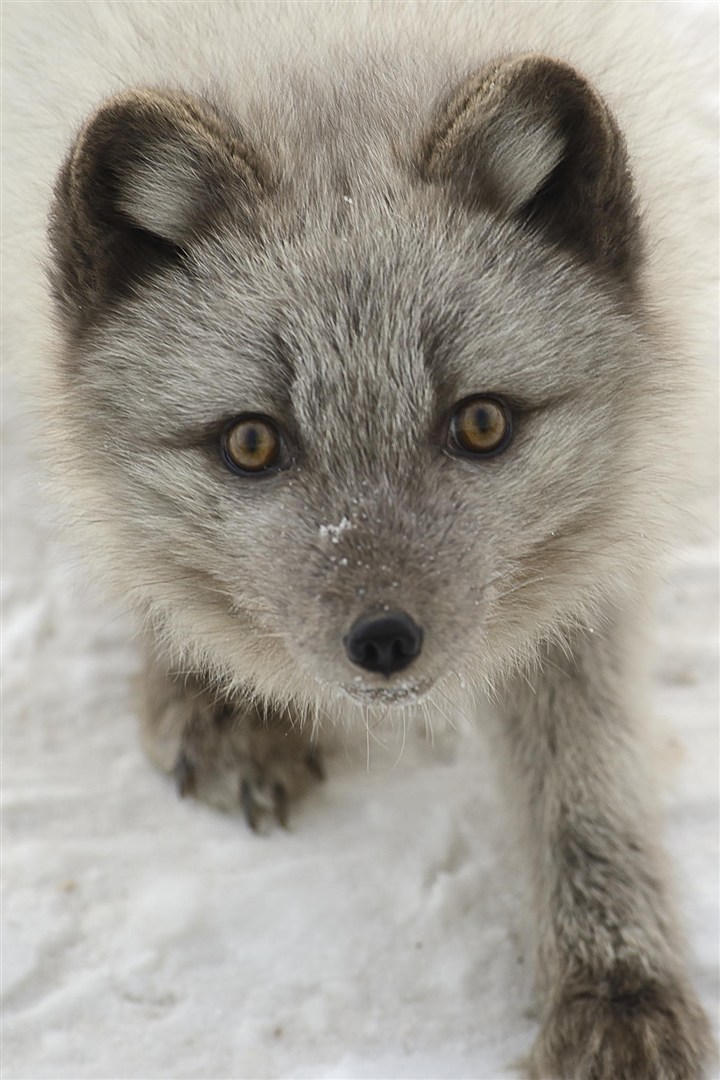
pixel 390 327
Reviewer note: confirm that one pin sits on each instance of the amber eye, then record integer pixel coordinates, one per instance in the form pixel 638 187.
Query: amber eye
pixel 480 426
pixel 251 444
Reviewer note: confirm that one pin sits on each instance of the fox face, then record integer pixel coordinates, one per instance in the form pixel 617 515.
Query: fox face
pixel 356 398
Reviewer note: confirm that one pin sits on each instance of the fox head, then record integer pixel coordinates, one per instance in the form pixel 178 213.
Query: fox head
pixel 355 380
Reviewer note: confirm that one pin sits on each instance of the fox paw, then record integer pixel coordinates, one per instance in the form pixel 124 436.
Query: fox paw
pixel 624 1029
pixel 256 768
pixel 234 755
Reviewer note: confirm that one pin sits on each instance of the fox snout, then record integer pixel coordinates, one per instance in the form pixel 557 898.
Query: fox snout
pixel 384 643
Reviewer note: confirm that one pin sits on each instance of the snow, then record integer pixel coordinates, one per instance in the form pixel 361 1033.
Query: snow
pixel 335 531
pixel 382 936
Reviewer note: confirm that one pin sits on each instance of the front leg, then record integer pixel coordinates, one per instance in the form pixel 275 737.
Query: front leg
pixel 229 752
pixel 615 996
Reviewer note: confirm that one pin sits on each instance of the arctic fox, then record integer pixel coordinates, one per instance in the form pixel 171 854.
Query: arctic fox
pixel 366 368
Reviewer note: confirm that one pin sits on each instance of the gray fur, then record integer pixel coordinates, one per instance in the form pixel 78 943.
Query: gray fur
pixel 353 274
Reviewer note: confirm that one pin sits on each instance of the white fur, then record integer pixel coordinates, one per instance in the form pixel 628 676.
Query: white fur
pixel 62 58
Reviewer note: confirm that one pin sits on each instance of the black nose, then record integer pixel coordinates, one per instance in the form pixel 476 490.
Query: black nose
pixel 385 643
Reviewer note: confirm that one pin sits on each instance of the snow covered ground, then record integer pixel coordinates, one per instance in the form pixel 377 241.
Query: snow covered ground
pixel 382 936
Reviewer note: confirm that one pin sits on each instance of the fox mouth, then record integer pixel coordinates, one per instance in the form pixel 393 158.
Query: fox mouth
pixel 407 693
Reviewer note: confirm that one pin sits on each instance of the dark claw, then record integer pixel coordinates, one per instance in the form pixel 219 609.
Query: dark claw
pixel 314 763
pixel 184 774
pixel 280 804
pixel 249 808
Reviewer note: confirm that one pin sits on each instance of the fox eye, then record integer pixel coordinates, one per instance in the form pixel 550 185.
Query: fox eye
pixel 480 426
pixel 251 444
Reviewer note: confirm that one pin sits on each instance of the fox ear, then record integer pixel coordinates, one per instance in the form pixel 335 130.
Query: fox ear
pixel 529 138
pixel 150 174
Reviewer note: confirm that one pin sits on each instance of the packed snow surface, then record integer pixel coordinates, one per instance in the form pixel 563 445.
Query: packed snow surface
pixel 383 936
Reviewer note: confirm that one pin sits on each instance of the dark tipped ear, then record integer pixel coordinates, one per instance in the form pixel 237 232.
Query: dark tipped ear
pixel 530 138
pixel 150 172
